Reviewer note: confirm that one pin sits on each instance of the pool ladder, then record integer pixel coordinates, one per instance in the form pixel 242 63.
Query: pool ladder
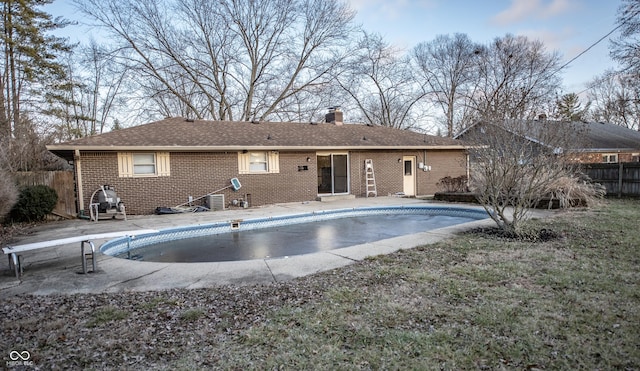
pixel 370 178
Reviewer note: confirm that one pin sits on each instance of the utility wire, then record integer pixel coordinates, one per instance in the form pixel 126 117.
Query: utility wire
pixel 590 47
pixel 600 40
pixel 596 43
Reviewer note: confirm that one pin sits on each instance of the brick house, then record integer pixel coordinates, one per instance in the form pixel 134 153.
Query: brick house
pixel 587 142
pixel 609 143
pixel 164 162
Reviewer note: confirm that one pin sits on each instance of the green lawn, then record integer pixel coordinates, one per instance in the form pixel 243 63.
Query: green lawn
pixel 472 302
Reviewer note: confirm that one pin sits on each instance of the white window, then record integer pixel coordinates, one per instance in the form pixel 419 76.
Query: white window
pixel 258 162
pixel 132 164
pixel 635 157
pixel 144 164
pixel 610 158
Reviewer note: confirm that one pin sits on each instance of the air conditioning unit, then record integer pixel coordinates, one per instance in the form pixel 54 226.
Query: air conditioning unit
pixel 215 202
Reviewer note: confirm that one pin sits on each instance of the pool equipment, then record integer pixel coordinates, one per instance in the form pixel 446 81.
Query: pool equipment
pixel 235 184
pixel 106 203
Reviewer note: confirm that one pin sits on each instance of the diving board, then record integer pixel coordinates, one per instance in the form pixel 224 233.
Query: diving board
pixel 13 251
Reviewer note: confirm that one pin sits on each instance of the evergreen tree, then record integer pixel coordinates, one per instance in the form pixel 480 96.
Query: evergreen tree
pixel 569 108
pixel 30 72
pixel 30 67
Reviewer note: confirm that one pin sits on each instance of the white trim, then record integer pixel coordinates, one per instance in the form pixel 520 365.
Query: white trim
pixel 606 157
pixel 331 154
pixel 272 162
pixel 161 164
pixel 77 163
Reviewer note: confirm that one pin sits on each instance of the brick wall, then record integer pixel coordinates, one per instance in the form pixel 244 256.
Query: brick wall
pixel 196 174
pixel 389 172
pixel 591 158
pixel 443 163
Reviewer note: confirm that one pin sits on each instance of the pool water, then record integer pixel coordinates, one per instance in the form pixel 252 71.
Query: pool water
pixel 287 237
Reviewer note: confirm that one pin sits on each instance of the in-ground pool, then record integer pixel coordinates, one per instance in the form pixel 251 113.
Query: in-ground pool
pixel 286 235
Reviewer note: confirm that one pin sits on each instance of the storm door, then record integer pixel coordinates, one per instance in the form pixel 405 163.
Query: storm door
pixel 409 178
pixel 333 173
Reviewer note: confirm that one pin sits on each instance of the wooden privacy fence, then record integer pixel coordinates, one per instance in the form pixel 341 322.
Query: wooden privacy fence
pixel 61 181
pixel 621 179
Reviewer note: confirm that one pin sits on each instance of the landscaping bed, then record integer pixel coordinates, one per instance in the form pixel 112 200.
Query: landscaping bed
pixel 472 198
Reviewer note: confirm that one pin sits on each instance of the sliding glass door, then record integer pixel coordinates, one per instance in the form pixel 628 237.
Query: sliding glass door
pixel 333 173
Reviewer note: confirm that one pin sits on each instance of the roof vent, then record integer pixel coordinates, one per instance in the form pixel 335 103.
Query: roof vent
pixel 189 120
pixel 255 122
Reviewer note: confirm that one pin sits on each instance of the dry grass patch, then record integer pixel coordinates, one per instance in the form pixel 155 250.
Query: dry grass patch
pixel 473 302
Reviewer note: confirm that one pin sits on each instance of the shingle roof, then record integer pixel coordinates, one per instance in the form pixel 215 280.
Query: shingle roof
pixel 597 136
pixel 181 135
pixel 603 137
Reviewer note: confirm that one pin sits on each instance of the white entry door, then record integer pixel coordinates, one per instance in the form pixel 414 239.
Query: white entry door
pixel 409 171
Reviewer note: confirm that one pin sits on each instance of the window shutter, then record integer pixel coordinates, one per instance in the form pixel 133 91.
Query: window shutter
pixel 274 162
pixel 125 164
pixel 243 163
pixel 163 164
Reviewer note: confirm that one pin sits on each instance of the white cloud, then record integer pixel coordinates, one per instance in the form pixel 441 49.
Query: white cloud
pixel 553 40
pixel 538 9
pixel 558 7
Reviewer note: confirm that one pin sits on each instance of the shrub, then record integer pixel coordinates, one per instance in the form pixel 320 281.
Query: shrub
pixel 575 190
pixel 449 184
pixel 8 194
pixel 34 203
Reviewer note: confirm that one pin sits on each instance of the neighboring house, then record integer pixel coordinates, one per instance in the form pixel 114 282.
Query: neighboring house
pixel 587 142
pixel 163 163
pixel 609 143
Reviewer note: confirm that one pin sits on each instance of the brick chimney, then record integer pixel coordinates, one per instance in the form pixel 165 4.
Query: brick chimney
pixel 334 116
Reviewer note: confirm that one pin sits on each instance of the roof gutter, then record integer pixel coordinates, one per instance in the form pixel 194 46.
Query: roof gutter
pixel 61 148
pixel 603 150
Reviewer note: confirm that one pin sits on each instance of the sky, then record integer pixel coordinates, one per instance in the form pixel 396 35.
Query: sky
pixel 566 26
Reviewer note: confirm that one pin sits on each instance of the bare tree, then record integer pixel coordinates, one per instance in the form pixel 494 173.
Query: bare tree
pixel 626 47
pixel 103 86
pixel 448 65
pixel 517 163
pixel 381 85
pixel 229 59
pixel 616 99
pixel 95 93
pixel 516 76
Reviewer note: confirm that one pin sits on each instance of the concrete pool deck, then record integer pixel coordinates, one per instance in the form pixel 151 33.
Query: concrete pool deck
pixel 58 269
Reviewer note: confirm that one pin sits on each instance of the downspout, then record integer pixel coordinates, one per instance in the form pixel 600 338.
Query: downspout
pixel 78 165
pixel 468 170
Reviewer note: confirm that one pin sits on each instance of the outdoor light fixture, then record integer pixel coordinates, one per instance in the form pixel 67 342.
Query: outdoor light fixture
pixel 399 160
pixel 308 159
